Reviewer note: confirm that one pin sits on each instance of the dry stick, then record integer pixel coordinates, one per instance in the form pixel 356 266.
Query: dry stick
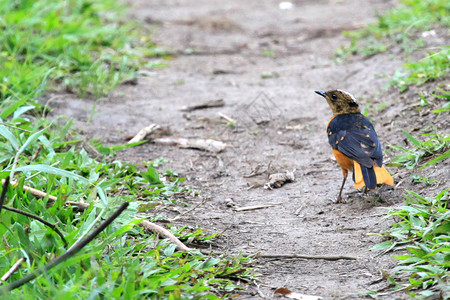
pixel 4 190
pixel 83 206
pixel 253 207
pixel 51 225
pixel 324 257
pixel 53 199
pixel 156 228
pixel 226 117
pixel 71 252
pixel 13 269
pixel 288 256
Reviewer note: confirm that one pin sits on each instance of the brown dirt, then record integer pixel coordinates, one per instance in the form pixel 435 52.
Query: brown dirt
pixel 226 40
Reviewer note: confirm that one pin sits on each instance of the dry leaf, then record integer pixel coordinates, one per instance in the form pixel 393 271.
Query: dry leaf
pixel 278 179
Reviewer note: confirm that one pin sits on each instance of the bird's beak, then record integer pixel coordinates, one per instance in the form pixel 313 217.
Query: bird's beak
pixel 321 93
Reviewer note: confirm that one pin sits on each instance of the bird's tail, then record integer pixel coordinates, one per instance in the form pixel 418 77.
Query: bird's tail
pixel 370 177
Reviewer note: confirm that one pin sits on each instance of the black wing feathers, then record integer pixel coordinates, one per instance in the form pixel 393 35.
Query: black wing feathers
pixel 354 136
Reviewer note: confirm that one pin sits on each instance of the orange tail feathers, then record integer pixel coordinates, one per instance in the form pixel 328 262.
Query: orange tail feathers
pixel 359 180
pixel 381 173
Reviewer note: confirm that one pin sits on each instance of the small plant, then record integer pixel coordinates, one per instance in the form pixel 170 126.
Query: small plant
pixel 432 147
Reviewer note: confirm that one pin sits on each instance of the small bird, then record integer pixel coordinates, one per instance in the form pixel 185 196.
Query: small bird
pixel 354 143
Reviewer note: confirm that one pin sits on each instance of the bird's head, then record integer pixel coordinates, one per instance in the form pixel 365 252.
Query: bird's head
pixel 340 101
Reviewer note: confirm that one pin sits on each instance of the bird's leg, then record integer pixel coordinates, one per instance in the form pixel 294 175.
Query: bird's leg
pixel 339 198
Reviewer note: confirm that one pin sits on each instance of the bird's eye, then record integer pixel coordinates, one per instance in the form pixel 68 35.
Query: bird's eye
pixel 334 96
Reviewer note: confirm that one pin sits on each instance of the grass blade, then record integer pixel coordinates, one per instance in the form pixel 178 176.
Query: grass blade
pixel 436 159
pixel 51 170
pixel 9 136
pixel 412 139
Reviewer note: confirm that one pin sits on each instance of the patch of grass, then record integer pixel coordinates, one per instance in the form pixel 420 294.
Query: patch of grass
pixel 405 26
pixel 436 65
pixel 421 232
pixel 398 26
pixel 84 47
pixel 442 94
pixel 123 261
pixel 436 148
pixel 80 45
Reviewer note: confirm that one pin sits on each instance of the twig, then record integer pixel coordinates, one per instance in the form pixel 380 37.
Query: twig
pixel 301 256
pixel 208 104
pixel 52 199
pixel 14 127
pixel 13 269
pixel 67 254
pixel 253 207
pixel 51 225
pixel 227 118
pixel 34 192
pixel 158 229
pixel 4 190
pixel 84 206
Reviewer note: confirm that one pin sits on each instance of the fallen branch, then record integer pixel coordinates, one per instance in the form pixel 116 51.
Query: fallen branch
pixel 208 104
pixel 37 218
pixel 160 230
pixel 13 269
pixel 302 256
pixel 69 253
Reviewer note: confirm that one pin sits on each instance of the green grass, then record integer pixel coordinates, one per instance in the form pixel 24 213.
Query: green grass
pixel 421 233
pixel 85 47
pixel 124 261
pixel 79 45
pixel 434 149
pixel 434 66
pixel 404 26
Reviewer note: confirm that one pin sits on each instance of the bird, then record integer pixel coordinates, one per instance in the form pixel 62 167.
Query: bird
pixel 354 143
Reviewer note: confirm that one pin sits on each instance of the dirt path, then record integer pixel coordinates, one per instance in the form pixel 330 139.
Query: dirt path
pixel 280 125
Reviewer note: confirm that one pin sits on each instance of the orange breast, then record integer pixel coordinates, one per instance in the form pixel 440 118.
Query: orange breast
pixel 345 162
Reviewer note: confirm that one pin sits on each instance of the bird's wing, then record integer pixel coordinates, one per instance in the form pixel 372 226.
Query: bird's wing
pixel 358 142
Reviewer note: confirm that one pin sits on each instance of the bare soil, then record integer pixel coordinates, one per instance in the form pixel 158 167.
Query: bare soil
pixel 280 125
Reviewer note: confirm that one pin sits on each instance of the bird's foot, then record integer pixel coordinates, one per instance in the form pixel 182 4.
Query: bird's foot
pixel 338 200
